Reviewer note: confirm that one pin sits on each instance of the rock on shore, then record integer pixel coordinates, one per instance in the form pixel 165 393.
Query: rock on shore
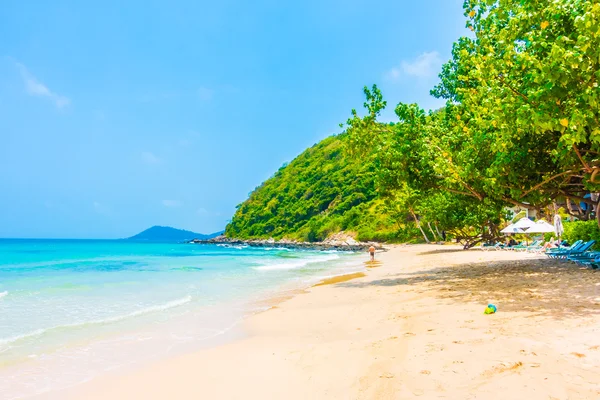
pixel 338 241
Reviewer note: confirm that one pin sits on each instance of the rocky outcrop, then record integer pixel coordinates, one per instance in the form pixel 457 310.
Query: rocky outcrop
pixel 340 241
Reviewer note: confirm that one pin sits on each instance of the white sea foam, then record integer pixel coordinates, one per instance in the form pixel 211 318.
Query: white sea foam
pixel 117 318
pixel 283 266
pixel 2 294
pixel 296 264
pixel 229 246
pixel 276 248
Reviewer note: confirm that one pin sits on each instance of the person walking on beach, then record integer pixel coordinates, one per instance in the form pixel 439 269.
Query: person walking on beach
pixel 372 253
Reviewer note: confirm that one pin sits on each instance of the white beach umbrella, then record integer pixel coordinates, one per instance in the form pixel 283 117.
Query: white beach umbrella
pixel 558 226
pixel 541 227
pixel 512 229
pixel 524 224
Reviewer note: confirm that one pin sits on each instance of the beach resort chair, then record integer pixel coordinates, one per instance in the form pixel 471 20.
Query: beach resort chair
pixel 488 247
pixel 518 247
pixel 586 258
pixel 526 247
pixel 536 247
pixel 592 260
pixel 581 251
pixel 594 264
pixel 582 248
pixel 559 250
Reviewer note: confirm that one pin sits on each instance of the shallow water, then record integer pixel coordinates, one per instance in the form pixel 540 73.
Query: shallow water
pixel 70 310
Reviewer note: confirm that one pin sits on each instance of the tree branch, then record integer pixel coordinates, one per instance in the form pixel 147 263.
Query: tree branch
pixel 516 92
pixel 585 165
pixel 545 181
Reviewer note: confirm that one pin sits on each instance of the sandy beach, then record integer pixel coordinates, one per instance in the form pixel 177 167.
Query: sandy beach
pixel 411 327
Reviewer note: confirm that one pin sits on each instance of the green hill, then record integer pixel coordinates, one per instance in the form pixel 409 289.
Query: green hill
pixel 322 191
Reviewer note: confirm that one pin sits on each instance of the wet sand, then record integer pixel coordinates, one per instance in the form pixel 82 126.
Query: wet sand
pixel 412 328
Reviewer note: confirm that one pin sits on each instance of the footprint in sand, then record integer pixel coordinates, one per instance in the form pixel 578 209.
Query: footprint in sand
pixel 527 353
pixel 578 354
pixel 503 367
pixel 425 372
pixel 435 347
pixel 398 316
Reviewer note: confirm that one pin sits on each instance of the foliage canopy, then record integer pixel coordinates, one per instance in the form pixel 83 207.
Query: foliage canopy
pixel 520 127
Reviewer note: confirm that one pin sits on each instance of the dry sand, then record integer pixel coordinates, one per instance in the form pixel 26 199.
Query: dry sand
pixel 413 327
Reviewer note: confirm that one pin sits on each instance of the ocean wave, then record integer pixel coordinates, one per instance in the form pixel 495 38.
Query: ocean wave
pixel 188 269
pixel 231 246
pixel 276 248
pixel 137 313
pixel 2 294
pixel 64 264
pixel 296 264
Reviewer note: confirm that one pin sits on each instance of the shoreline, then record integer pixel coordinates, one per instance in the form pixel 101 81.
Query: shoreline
pixel 343 243
pixel 412 327
pixel 257 303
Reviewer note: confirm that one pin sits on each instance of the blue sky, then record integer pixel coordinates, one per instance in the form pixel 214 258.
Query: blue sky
pixel 115 116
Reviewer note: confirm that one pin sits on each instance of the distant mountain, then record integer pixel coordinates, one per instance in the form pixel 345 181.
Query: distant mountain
pixel 168 234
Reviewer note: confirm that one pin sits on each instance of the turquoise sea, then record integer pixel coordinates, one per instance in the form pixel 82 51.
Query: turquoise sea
pixel 73 309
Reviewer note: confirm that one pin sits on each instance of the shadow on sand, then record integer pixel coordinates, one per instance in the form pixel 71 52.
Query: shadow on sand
pixel 441 251
pixel 545 287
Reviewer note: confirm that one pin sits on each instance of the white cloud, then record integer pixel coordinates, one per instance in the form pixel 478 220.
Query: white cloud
pixel 172 203
pixel 37 88
pixel 149 157
pixel 205 94
pixel 425 65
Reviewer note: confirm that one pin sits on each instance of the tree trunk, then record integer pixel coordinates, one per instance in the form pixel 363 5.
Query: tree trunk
pixel 569 206
pixel 438 231
pixel 419 225
pixel 432 232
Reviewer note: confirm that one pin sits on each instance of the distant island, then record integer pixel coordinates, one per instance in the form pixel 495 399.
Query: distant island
pixel 168 234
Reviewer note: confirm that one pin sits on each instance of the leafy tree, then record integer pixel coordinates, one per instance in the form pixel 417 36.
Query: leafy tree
pixel 528 83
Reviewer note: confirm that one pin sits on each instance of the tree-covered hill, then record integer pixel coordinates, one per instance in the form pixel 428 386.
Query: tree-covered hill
pixel 322 191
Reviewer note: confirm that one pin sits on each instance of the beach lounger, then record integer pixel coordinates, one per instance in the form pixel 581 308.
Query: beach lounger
pixel 487 247
pixel 582 248
pixel 593 263
pixel 536 247
pixel 557 251
pixel 585 258
pixel 526 248
pixel 562 253
pixel 519 247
